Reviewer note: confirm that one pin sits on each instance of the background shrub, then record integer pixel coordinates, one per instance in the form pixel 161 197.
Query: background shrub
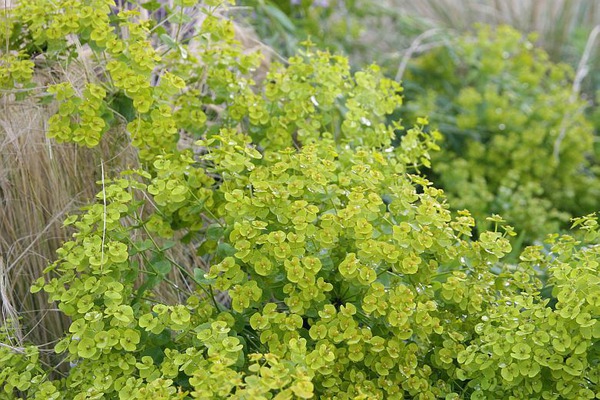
pixel 516 137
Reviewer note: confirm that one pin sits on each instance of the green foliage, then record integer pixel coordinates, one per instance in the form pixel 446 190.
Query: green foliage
pixel 348 276
pixel 22 372
pixel 517 141
pixel 332 24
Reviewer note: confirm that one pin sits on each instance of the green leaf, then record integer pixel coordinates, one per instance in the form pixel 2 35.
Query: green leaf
pixel 207 247
pixel 169 41
pixel 167 244
pixel 327 263
pixel 151 5
pixel 162 267
pixel 215 232
pixel 279 16
pixel 180 18
pixel 148 284
pixel 225 250
pixel 200 278
pixel 46 99
pixel 131 273
pixel 139 247
pixel 123 105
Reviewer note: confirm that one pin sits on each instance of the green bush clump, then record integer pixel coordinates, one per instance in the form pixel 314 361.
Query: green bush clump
pixel 348 276
pixel 332 24
pixel 517 140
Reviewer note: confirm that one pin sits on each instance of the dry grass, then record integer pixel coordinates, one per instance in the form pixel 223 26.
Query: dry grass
pixel 558 22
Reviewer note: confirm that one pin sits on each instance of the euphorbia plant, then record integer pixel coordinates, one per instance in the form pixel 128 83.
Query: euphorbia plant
pixel 347 275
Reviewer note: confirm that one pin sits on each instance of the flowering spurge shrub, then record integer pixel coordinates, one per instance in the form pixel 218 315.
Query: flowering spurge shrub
pixel 516 138
pixel 348 275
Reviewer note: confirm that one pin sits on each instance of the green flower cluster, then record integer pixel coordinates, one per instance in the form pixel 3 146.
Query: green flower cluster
pixel 349 277
pixel 517 139
pixel 22 371
pixel 79 119
pixel 15 70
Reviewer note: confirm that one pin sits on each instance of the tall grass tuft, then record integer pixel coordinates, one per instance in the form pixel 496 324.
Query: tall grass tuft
pixel 557 21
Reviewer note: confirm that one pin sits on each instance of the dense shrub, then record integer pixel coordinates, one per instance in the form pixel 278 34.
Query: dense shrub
pixel 517 141
pixel 347 275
